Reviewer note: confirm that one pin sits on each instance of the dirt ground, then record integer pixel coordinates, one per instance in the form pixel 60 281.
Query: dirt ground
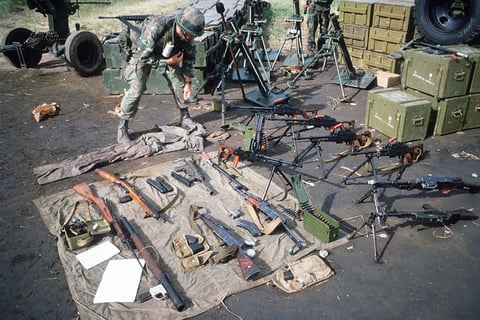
pixel 425 275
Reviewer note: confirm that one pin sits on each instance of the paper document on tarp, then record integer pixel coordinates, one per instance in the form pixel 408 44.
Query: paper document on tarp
pixel 120 281
pixel 97 254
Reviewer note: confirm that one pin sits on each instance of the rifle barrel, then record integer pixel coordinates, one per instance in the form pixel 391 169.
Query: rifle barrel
pixel 152 264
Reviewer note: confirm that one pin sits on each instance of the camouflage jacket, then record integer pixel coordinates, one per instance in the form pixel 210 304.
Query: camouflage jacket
pixel 156 32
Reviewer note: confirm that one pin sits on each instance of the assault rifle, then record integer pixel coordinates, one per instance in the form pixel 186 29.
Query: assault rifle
pixel 131 240
pixel 247 265
pixel 134 195
pixel 259 204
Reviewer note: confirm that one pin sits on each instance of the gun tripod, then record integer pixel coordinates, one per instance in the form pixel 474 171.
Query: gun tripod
pixel 379 216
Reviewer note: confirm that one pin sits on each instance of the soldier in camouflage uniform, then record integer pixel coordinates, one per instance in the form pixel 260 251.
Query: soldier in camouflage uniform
pixel 317 16
pixel 165 43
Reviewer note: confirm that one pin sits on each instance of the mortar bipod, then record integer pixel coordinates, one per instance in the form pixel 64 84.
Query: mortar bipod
pixel 293 34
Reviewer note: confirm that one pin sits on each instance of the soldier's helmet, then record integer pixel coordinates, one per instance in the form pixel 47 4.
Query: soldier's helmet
pixel 191 20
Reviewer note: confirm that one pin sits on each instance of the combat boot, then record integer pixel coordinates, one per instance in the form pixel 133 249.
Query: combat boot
pixel 186 120
pixel 122 133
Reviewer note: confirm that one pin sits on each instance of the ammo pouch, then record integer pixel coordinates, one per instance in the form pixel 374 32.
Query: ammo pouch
pixel 192 250
pixel 301 274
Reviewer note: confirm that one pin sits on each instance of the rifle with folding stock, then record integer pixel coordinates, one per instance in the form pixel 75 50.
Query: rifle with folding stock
pixel 247 265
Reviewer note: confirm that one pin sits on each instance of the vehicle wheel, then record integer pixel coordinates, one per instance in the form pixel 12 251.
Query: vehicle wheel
pixel 20 35
pixel 448 21
pixel 84 53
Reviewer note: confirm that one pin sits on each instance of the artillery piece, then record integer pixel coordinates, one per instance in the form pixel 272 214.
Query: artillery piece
pixel 82 49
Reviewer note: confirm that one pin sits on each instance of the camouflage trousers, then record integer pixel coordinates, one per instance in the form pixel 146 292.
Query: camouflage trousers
pixel 318 16
pixel 137 75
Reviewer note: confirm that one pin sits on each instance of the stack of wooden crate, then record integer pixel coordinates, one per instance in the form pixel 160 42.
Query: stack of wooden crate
pixel 374 29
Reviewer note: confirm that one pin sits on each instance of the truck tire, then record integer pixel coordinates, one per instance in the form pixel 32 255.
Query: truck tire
pixel 31 56
pixel 448 22
pixel 84 53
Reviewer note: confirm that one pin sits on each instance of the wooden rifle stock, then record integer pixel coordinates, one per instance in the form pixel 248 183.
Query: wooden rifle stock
pixel 152 264
pixel 85 191
pixel 137 197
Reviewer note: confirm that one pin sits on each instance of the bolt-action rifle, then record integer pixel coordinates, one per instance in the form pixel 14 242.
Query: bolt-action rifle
pixel 149 209
pixel 247 265
pixel 259 204
pixel 131 240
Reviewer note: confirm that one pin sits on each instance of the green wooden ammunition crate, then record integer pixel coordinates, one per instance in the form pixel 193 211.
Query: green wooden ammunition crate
pixel 355 36
pixel 472 117
pixel 380 61
pixel 114 56
pixel 356 12
pixel 113 81
pixel 387 41
pixel 397 113
pixel 474 57
pixel 356 55
pixel 321 225
pixel 206 47
pixel 437 75
pixel 448 115
pixel 393 15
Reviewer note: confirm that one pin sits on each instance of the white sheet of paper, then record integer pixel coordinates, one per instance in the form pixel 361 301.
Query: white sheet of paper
pixel 120 281
pixel 97 254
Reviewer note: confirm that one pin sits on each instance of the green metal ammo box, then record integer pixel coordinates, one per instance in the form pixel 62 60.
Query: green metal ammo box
pixel 321 225
pixel 397 113
pixel 447 115
pixel 315 221
pixel 472 117
pixel 438 75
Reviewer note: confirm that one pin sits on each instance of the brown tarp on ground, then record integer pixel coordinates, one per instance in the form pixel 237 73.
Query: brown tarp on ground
pixel 202 288
pixel 169 139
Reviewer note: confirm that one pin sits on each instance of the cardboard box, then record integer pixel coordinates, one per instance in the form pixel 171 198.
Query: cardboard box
pixel 387 79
